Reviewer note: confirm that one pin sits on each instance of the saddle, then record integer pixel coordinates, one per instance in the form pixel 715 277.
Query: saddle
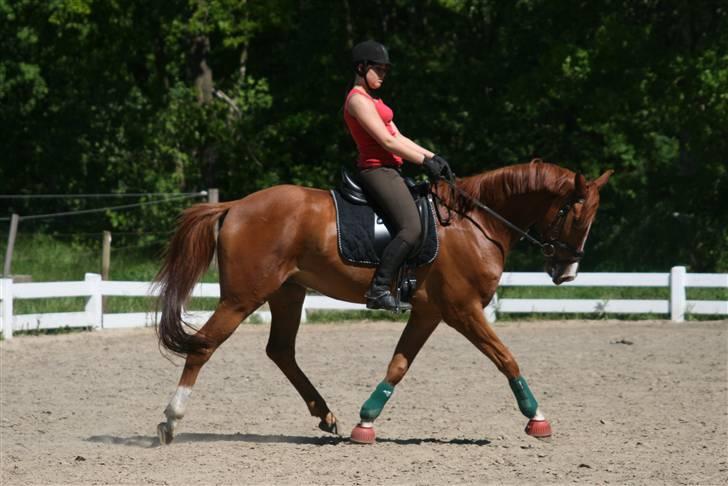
pixel 363 234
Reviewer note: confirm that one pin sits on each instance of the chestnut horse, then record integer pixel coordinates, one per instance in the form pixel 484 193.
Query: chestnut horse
pixel 276 243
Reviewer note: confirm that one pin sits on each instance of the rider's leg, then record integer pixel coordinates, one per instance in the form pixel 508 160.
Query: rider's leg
pixel 379 295
pixel 388 190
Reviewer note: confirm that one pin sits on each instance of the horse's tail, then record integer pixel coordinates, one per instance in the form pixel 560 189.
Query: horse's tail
pixel 186 258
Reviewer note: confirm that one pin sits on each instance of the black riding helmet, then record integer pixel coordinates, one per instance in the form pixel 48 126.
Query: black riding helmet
pixel 367 53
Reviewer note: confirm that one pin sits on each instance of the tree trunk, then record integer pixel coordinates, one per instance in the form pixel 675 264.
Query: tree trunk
pixel 201 75
pixel 201 72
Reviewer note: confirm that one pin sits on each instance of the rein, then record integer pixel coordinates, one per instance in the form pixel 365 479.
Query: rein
pixel 548 248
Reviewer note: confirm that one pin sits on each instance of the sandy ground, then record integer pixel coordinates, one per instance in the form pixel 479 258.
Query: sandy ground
pixel 82 409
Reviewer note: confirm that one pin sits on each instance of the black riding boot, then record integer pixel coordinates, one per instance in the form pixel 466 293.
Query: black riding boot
pixel 379 296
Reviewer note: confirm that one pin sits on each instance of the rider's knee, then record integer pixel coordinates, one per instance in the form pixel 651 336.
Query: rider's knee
pixel 411 233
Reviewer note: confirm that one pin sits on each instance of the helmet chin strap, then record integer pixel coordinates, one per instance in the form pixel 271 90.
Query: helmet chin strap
pixel 363 74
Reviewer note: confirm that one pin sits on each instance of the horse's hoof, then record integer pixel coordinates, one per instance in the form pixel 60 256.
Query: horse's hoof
pixel 164 433
pixel 363 434
pixel 329 427
pixel 538 428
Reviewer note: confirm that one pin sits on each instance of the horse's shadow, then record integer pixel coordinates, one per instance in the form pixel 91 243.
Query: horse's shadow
pixel 191 437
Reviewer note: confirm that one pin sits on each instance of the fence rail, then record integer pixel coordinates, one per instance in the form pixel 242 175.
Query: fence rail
pixel 94 289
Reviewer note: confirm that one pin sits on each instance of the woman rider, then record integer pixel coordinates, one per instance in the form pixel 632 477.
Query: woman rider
pixel 382 149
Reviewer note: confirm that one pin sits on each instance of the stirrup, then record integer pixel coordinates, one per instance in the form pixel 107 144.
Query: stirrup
pixel 386 301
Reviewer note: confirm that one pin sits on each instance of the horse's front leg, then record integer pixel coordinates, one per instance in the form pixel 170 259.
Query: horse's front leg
pixel 470 321
pixel 421 324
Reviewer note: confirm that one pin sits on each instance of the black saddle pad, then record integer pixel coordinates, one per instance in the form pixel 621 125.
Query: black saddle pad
pixel 355 227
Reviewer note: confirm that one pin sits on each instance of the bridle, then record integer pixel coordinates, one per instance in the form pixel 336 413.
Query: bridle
pixel 552 239
pixel 553 235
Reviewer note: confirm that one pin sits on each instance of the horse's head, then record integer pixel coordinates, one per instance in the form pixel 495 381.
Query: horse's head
pixel 566 227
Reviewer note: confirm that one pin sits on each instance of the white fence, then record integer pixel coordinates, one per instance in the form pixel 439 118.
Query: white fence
pixel 94 289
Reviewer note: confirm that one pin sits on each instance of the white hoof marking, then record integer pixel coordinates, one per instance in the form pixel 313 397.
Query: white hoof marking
pixel 539 415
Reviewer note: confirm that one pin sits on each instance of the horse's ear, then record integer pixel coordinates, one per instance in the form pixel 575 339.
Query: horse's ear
pixel 580 186
pixel 602 179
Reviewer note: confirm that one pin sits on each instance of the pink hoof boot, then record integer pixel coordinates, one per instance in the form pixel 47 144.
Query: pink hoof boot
pixel 538 428
pixel 363 434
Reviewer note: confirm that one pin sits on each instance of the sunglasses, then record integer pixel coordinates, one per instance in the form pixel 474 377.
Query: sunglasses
pixel 380 69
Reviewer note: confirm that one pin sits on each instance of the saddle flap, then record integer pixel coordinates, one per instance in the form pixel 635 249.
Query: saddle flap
pixel 362 235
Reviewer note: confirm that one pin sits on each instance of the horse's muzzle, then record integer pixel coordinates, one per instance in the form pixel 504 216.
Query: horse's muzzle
pixel 562 272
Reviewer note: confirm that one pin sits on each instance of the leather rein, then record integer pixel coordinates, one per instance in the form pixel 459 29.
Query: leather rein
pixel 553 232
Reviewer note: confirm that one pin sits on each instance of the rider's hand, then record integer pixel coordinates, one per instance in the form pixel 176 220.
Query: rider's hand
pixel 438 168
pixel 432 167
pixel 445 170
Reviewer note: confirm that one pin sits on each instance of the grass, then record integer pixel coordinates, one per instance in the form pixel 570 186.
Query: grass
pixel 45 258
pixel 48 259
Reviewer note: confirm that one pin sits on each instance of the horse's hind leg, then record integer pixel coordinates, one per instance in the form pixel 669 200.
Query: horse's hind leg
pixel 285 307
pixel 218 328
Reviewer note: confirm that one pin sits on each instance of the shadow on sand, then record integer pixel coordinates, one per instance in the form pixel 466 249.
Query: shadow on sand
pixel 151 441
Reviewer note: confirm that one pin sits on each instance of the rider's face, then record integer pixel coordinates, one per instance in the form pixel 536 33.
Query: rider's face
pixel 376 74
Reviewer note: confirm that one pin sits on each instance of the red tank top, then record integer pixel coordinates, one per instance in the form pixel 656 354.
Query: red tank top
pixel 371 154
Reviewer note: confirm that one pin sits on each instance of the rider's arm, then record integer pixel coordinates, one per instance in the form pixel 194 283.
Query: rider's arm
pixel 366 114
pixel 412 144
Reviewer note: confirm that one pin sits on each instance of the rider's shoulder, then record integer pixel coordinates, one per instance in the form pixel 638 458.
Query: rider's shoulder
pixel 363 101
pixel 362 94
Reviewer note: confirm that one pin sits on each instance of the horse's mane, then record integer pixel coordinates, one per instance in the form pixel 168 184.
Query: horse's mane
pixel 495 186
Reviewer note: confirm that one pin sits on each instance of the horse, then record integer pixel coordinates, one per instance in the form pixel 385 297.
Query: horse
pixel 276 243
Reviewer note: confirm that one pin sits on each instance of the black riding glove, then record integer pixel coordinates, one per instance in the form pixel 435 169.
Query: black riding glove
pixel 446 172
pixel 438 168
pixel 432 168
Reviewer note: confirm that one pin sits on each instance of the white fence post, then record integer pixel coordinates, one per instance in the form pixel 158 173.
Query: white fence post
pixel 678 299
pixel 6 294
pixel 94 307
pixel 490 309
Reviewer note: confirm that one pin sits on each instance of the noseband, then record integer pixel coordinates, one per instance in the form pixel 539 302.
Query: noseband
pixel 553 233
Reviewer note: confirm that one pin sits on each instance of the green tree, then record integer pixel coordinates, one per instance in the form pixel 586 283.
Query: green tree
pixel 184 95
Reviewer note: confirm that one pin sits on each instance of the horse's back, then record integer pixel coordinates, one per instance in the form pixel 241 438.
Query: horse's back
pixel 282 201
pixel 283 214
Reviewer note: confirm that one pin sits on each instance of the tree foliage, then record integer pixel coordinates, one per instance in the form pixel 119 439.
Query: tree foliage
pixel 109 96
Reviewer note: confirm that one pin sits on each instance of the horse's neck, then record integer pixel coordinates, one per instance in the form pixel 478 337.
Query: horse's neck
pixel 523 210
pixel 521 194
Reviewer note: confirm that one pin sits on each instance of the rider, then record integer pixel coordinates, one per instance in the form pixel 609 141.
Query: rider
pixel 382 149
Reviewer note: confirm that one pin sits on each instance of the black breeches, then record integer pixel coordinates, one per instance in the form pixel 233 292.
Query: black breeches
pixel 389 192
